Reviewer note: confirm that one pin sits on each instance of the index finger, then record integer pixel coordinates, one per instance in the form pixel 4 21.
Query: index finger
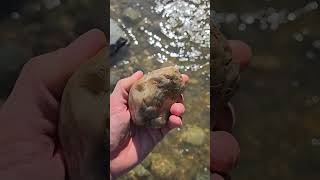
pixel 241 53
pixel 55 68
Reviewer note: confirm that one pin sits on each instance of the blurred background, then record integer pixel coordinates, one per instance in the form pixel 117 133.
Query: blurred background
pixel 277 107
pixel 163 33
pixel 32 27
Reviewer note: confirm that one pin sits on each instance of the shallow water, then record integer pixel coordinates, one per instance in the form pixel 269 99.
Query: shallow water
pixel 166 33
pixel 277 106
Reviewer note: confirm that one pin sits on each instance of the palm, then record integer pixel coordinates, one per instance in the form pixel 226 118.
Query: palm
pixel 136 147
pixel 130 144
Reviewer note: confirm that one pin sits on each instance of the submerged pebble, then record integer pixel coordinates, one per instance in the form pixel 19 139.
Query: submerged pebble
pixel 162 166
pixel 132 14
pixel 194 135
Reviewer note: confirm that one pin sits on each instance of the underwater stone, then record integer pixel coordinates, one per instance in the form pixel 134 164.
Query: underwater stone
pixel 193 135
pixel 132 14
pixel 118 38
pixel 140 171
pixel 162 167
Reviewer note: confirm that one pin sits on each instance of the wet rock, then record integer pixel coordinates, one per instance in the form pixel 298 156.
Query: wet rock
pixel 118 38
pixel 151 98
pixel 146 163
pixel 130 176
pixel 193 135
pixel 225 74
pixel 141 172
pixel 132 14
pixel 203 176
pixel 162 167
pixel 193 81
pixel 83 118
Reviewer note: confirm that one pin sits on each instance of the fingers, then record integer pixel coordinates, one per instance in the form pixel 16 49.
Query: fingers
pixel 177 109
pixel 174 122
pixel 55 68
pixel 126 83
pixel 225 120
pixel 224 152
pixel 241 53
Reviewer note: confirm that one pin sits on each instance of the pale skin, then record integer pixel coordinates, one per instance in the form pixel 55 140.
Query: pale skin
pixel 138 143
pixel 29 117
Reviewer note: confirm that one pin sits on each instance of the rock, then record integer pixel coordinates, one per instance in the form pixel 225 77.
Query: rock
pixel 224 73
pixel 193 135
pixel 193 81
pixel 118 38
pixel 115 32
pixel 84 114
pixel 141 172
pixel 203 176
pixel 146 163
pixel 114 78
pixel 132 14
pixel 151 97
pixel 162 167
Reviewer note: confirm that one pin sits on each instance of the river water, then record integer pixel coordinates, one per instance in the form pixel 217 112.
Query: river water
pixel 164 33
pixel 277 105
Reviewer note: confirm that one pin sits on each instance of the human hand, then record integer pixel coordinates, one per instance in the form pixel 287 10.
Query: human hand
pixel 224 147
pixel 29 117
pixel 130 144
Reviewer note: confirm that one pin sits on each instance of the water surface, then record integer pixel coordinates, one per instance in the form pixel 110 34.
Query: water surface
pixel 164 33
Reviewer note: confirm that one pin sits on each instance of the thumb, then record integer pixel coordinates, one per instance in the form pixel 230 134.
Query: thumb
pixel 119 96
pixel 126 83
pixel 55 68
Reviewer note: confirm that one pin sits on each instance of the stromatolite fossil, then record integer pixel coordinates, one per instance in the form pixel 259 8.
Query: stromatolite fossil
pixel 151 97
pixel 83 120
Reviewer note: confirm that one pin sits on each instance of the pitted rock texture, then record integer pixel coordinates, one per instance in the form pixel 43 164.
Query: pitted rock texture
pixel 225 74
pixel 82 127
pixel 151 97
